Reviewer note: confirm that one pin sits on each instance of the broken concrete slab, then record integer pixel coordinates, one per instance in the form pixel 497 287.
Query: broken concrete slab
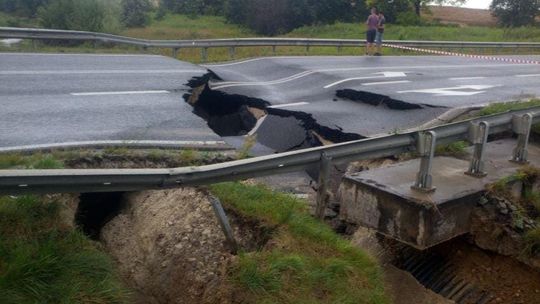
pixel 382 199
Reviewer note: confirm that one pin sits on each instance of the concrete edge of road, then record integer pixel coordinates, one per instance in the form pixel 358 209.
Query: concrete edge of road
pixel 445 118
pixel 132 144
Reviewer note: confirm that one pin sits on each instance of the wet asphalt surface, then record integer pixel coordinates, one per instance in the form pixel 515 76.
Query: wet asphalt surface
pixel 39 102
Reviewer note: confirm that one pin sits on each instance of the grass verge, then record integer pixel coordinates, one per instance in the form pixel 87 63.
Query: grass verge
pixel 528 204
pixel 44 261
pixel 112 158
pixel 304 262
pixel 179 27
pixel 42 258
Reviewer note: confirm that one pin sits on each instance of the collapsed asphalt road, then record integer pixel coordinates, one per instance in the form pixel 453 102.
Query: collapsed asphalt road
pixel 376 95
pixel 335 99
pixel 287 102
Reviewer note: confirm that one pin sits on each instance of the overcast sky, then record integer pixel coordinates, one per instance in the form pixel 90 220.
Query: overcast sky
pixel 477 3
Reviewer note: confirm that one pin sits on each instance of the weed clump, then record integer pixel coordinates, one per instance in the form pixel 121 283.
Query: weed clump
pixel 304 261
pixel 43 261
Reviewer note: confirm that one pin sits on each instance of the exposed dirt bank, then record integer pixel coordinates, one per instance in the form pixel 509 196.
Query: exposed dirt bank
pixel 170 248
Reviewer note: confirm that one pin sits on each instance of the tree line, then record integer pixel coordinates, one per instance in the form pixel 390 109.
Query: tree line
pixel 266 17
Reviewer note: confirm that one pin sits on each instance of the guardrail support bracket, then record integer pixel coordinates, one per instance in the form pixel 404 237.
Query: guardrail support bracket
pixel 232 52
pixel 322 186
pixel 522 127
pixel 224 223
pixel 426 148
pixel 478 136
pixel 175 52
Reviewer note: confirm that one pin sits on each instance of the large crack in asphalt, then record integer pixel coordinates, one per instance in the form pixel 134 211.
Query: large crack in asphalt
pixel 380 100
pixel 233 115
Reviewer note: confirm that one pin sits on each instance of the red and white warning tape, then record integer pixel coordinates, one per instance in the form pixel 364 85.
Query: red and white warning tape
pixel 503 59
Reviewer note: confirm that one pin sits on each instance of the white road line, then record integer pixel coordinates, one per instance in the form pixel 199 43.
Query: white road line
pixel 68 72
pixel 467 78
pixel 289 105
pixel 295 76
pixel 385 82
pixel 530 75
pixel 311 72
pixel 264 83
pixel 249 60
pixel 119 93
pixel 85 55
pixel 257 125
pixel 352 79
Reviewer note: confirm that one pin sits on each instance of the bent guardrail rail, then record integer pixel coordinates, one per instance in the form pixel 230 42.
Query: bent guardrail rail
pixel 176 45
pixel 475 131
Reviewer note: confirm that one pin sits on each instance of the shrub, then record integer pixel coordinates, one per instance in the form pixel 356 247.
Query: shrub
pixel 73 15
pixel 135 12
pixel 408 18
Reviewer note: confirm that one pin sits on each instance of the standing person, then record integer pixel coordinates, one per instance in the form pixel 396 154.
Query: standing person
pixel 380 32
pixel 372 24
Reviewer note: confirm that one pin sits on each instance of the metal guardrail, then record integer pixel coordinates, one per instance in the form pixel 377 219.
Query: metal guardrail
pixel 475 131
pixel 232 44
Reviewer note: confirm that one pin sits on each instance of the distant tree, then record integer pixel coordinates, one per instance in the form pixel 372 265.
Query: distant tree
pixel 515 12
pixel 26 8
pixel 392 9
pixel 86 15
pixel 418 4
pixel 135 12
pixel 271 17
pixel 195 7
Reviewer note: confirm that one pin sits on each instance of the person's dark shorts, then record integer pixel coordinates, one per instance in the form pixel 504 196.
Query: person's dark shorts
pixel 370 35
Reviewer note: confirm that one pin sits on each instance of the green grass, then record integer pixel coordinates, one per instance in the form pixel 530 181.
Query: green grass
pixel 502 107
pixel 532 242
pixel 306 261
pixel 400 32
pixel 175 26
pixel 44 261
pixel 31 161
pixel 12 21
pixel 59 158
pixel 457 149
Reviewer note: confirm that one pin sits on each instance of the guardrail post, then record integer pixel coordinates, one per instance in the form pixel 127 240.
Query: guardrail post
pixel 307 48
pixel 522 127
pixel 478 136
pixel 232 52
pixel 426 148
pixel 224 223
pixel 322 186
pixel 175 52
pixel 339 49
pixel 204 54
pixel 274 50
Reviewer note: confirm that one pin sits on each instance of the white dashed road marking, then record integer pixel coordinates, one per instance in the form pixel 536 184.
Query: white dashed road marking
pixel 385 82
pixel 467 78
pixel 289 105
pixel 119 93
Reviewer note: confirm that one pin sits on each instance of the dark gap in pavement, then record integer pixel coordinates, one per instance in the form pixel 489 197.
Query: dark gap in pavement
pixel 281 130
pixel 375 99
pixel 97 209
